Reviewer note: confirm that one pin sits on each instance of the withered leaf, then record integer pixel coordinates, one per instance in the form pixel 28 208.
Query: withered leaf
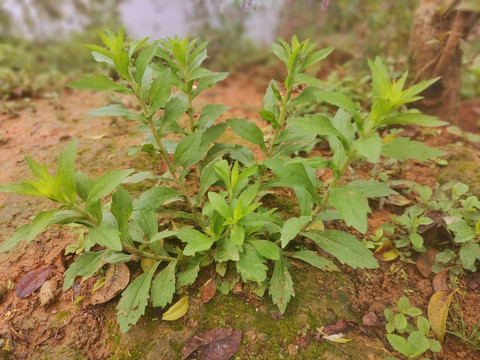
pixel 302 341
pixel 32 281
pixel 215 344
pixel 473 284
pixel 438 221
pixel 209 291
pixel 370 319
pixel 439 281
pixel 387 251
pixel 438 311
pixel 339 326
pixel 426 261
pixel 117 278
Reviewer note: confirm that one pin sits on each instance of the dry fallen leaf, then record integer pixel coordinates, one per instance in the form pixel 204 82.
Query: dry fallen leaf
pixel 438 311
pixel 209 291
pixel 426 261
pixel 177 310
pixel 215 344
pixel 32 281
pixel 439 281
pixel 473 284
pixel 339 326
pixel 117 278
pixel 47 292
pixel 370 319
pixel 302 341
pixel 387 251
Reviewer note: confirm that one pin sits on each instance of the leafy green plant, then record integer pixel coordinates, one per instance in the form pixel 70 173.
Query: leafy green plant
pixel 229 226
pixel 417 341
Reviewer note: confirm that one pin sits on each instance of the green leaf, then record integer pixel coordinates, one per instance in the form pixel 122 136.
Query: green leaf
pixel 28 232
pixel 292 227
pixel 339 100
pixel 462 231
pixel 345 247
pixel 208 81
pixel 99 83
pixel 251 265
pixel 147 221
pixel 351 205
pixel 249 131
pixel 418 343
pixel 83 184
pixel 399 344
pixel 85 265
pixel 413 119
pixel 370 148
pixel 371 188
pixel 155 197
pixel 188 276
pixel 188 150
pixel 209 114
pixel 266 248
pixel 311 257
pixel 175 107
pixel 196 241
pixel 226 250
pixel 143 59
pixel 400 321
pixel 220 204
pixel 122 209
pixel 163 287
pixel 160 90
pixel 237 235
pixel 134 299
pixel 318 124
pixel 208 178
pixel 105 184
pixel 117 110
pixel 105 235
pixel 281 285
pixel 403 148
pixel 66 171
pixel 469 253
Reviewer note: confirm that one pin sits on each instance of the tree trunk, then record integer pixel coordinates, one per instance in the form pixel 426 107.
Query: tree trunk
pixel 434 51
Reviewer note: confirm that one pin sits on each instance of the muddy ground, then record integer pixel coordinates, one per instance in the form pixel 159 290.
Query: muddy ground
pixel 70 327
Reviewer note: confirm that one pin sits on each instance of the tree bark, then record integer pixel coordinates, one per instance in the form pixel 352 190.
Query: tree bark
pixel 434 51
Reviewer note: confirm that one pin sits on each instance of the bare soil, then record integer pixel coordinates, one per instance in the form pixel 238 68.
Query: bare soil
pixel 70 327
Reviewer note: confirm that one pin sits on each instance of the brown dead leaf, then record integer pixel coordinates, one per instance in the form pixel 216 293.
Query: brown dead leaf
pixel 426 261
pixel 215 344
pixel 473 284
pixel 370 319
pixel 438 311
pixel 439 281
pixel 438 221
pixel 302 341
pixel 339 326
pixel 32 281
pixel 117 278
pixel 209 291
pixel 387 251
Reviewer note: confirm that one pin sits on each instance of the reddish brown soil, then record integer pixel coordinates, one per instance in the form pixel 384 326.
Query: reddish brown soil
pixel 43 132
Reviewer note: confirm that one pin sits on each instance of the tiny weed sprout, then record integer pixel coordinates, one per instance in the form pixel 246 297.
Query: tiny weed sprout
pixel 222 220
pixel 417 341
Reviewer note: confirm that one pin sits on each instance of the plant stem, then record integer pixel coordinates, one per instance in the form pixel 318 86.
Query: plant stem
pixel 281 122
pixel 134 251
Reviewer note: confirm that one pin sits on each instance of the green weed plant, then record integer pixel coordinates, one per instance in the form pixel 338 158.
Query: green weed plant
pixel 229 227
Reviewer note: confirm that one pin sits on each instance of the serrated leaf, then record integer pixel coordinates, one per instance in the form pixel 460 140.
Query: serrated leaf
pixel 351 205
pixel 404 148
pixel 99 83
pixel 399 344
pixel 147 221
pixel 267 249
pixel 220 204
pixel 345 247
pixel 153 198
pixel 281 285
pixel 292 227
pixel 311 257
pixel 177 310
pixel 251 265
pixel 249 131
pixel 196 241
pixel 188 276
pixel 117 110
pixel 122 209
pixel 28 232
pixel 85 265
pixel 372 188
pixel 163 286
pixel 106 236
pixel 105 184
pixel 226 250
pixel 370 148
pixel 134 299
